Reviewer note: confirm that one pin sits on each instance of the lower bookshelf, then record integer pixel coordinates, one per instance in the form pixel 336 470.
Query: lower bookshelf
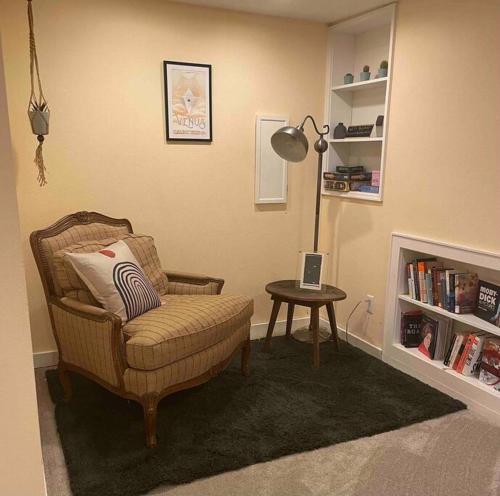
pixel 470 390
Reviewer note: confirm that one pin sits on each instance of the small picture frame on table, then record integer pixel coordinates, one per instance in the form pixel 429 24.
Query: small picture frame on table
pixel 188 101
pixel 311 274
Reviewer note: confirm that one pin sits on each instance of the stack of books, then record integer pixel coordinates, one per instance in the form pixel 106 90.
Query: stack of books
pixel 351 178
pixel 453 290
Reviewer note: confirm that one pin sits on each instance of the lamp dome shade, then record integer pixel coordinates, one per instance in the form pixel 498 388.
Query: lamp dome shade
pixel 290 143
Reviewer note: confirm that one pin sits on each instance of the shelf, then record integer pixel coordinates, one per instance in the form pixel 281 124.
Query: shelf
pixel 465 318
pixel 473 380
pixel 355 195
pixel 361 85
pixel 357 140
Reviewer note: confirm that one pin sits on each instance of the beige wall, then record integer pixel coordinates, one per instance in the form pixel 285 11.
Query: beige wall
pixel 101 64
pixel 443 159
pixel 21 469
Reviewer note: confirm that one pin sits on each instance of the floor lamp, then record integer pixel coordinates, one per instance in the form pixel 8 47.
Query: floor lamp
pixel 291 144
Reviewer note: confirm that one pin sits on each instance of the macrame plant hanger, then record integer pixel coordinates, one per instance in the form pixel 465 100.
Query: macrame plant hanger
pixel 38 109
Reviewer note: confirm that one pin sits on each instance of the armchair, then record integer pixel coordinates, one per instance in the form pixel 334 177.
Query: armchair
pixel 188 340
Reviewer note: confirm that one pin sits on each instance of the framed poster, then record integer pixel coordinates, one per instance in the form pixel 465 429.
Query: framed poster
pixel 188 101
pixel 312 270
pixel 270 168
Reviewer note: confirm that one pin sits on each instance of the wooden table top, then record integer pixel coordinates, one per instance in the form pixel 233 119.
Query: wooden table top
pixel 291 290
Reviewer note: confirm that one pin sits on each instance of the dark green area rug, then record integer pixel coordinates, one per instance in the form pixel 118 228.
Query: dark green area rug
pixel 285 407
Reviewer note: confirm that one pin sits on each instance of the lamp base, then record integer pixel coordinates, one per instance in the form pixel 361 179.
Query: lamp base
pixel 304 334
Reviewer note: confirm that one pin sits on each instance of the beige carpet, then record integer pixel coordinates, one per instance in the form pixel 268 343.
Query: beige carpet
pixel 456 455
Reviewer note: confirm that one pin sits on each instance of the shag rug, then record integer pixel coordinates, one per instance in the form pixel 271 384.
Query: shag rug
pixel 284 407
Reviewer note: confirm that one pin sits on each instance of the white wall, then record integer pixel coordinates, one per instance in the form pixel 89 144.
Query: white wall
pixel 21 469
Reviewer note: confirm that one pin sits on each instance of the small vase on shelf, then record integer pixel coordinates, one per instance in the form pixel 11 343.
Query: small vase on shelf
pixel 340 131
pixel 348 78
pixel 365 74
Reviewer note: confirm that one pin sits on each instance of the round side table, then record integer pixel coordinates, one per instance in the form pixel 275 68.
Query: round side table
pixel 289 291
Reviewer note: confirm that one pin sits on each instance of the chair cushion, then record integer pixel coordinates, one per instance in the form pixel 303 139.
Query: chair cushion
pixel 182 326
pixel 142 247
pixel 76 234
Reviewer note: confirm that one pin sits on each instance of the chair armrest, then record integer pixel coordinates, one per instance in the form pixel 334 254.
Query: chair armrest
pixel 186 283
pixel 89 339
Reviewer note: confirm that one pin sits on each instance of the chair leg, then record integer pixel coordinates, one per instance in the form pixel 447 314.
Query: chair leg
pixel 65 381
pixel 150 406
pixel 245 358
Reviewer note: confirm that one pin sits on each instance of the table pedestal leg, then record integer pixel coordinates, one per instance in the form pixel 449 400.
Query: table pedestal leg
pixel 272 322
pixel 333 325
pixel 289 319
pixel 315 333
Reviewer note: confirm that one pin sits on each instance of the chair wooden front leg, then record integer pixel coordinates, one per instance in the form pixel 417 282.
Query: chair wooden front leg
pixel 245 358
pixel 150 406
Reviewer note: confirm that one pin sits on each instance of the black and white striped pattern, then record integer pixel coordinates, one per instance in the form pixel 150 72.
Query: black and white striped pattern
pixel 136 291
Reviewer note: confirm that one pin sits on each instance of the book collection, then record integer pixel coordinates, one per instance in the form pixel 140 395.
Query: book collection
pixel 471 352
pixel 352 178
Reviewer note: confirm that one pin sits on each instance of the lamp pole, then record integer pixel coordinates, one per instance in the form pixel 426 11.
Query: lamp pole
pixel 320 146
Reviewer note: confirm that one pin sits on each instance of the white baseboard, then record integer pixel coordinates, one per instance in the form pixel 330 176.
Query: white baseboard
pixel 356 341
pixel 257 331
pixel 45 358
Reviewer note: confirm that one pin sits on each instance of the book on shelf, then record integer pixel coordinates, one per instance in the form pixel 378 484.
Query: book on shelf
pixel 347 176
pixel 489 373
pixel 445 287
pixel 435 333
pixel 411 323
pixel 454 348
pixel 474 354
pixel 488 302
pixel 466 288
pixel 349 169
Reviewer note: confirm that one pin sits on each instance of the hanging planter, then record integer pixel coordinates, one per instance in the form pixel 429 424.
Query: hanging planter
pixel 38 109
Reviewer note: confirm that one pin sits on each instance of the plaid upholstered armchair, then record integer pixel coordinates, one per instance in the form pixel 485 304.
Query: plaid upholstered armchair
pixel 190 338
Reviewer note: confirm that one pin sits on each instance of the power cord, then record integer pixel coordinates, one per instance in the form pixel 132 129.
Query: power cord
pixel 348 318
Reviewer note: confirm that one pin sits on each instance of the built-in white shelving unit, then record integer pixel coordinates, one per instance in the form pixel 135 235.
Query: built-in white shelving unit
pixel 404 249
pixel 364 40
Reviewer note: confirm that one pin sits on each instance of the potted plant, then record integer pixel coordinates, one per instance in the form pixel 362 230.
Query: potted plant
pixel 348 78
pixel 39 115
pixel 384 66
pixel 365 75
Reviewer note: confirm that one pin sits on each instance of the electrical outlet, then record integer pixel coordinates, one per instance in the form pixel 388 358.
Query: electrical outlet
pixel 371 303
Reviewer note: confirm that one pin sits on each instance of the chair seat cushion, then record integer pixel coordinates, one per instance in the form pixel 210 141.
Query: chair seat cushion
pixel 182 326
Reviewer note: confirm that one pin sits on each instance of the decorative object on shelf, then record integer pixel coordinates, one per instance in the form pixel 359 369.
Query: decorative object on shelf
pixel 38 108
pixel 379 126
pixel 365 74
pixel 337 185
pixel 382 71
pixel 291 144
pixel 188 101
pixel 340 131
pixel 361 131
pixel 348 78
